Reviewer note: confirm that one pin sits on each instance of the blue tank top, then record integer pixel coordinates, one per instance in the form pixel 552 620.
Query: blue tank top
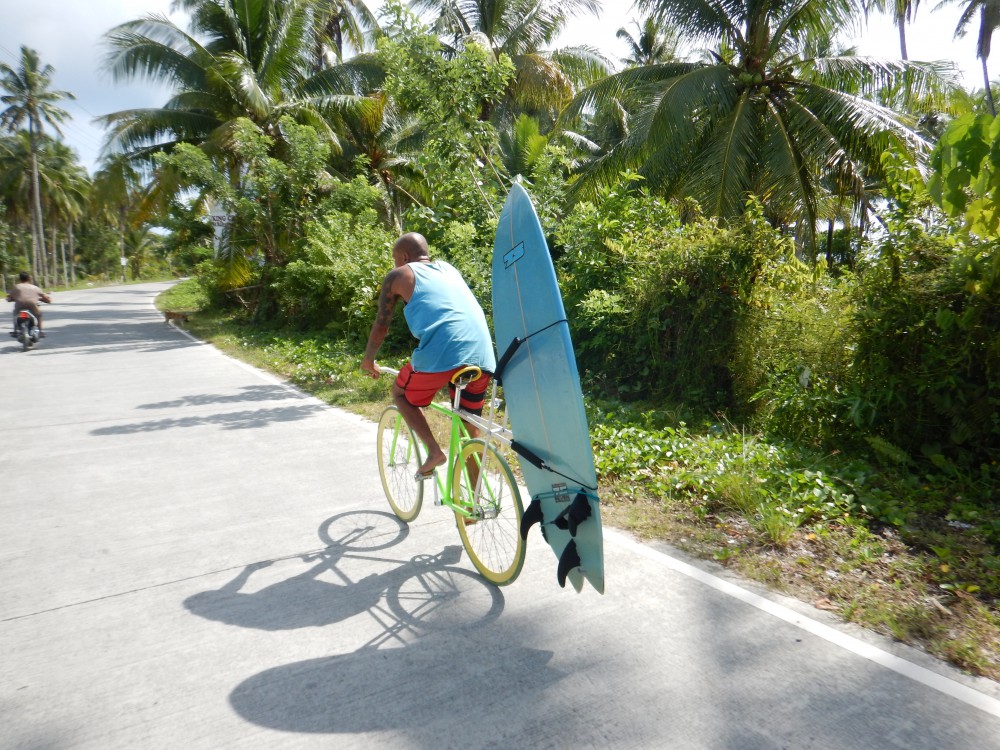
pixel 448 320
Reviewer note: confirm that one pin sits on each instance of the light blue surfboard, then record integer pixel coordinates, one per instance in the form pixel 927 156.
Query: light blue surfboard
pixel 541 386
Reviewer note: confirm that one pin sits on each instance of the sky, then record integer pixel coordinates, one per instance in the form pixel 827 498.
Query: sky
pixel 67 34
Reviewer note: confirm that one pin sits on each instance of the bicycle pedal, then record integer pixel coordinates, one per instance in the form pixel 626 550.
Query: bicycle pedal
pixel 424 477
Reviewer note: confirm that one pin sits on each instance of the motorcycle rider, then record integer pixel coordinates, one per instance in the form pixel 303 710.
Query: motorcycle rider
pixel 26 296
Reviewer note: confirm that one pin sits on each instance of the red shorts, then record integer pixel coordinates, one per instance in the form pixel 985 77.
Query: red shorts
pixel 421 387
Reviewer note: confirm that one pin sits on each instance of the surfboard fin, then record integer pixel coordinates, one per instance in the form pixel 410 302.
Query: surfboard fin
pixel 576 513
pixel 569 559
pixel 531 516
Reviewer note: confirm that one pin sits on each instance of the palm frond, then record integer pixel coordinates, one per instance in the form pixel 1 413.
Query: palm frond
pixel 154 48
pixel 727 160
pixel 897 83
pixel 582 65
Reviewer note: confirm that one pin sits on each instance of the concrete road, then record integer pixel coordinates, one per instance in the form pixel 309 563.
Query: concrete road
pixel 193 555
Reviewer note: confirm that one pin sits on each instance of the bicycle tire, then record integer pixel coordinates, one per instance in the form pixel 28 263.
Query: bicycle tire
pixel 436 597
pixel 493 542
pixel 398 460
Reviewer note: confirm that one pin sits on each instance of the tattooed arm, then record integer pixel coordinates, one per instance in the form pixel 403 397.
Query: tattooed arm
pixel 386 305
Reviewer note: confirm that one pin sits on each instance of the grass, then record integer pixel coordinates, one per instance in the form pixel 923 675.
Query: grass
pixel 914 557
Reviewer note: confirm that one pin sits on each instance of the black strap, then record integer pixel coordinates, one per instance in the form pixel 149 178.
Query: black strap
pixel 528 455
pixel 515 345
pixel 539 463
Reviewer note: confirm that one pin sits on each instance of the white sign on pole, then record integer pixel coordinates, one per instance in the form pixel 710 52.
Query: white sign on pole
pixel 220 223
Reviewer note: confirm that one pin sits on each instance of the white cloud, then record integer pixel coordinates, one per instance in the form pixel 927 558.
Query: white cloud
pixel 68 36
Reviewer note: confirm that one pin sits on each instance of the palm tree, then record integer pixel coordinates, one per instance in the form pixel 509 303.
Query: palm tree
pixel 139 243
pixel 337 20
pixel 903 12
pixel 16 191
pixel 244 58
pixel 30 101
pixel 989 21
pixel 655 43
pixel 770 121
pixel 117 191
pixel 522 145
pixel 389 142
pixel 65 185
pixel 544 80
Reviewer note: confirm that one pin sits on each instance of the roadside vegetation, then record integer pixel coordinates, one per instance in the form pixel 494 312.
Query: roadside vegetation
pixel 780 261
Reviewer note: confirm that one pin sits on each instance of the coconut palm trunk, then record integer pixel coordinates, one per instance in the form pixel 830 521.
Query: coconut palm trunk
pixel 72 256
pixel 52 275
pixel 62 257
pixel 989 90
pixel 38 260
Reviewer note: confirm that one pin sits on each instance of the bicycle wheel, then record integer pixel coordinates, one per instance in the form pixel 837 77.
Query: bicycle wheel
pixel 398 461
pixel 493 540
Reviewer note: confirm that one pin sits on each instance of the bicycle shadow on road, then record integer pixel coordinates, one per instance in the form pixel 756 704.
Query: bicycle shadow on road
pixel 415 595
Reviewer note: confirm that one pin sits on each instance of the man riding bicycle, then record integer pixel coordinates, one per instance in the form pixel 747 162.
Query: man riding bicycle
pixel 443 314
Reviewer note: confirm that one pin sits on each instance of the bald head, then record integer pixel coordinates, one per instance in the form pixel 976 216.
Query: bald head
pixel 411 247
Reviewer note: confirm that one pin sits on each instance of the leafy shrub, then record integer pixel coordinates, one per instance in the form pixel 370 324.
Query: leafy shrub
pixel 928 357
pixel 793 357
pixel 655 304
pixel 336 280
pixel 210 275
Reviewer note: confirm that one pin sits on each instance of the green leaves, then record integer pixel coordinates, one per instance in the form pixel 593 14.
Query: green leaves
pixel 966 179
pixel 771 119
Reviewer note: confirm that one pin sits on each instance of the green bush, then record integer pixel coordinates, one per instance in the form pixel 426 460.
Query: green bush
pixel 655 305
pixel 793 359
pixel 928 357
pixel 336 281
pixel 210 275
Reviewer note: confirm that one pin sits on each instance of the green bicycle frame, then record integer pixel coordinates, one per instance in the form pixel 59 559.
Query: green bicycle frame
pixel 491 432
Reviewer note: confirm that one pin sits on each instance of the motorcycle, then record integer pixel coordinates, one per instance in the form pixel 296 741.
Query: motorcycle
pixel 26 329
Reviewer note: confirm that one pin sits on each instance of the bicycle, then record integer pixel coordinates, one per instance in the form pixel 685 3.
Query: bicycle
pixel 478 484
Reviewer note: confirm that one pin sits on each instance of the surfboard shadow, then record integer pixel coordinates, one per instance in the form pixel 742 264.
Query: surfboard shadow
pixel 441 677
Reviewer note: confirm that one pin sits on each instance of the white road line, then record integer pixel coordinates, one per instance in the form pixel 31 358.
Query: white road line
pixel 897 664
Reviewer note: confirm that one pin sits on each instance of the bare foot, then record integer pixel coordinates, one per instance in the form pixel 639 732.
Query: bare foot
pixel 430 464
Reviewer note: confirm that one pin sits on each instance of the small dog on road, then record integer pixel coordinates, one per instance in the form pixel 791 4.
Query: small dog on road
pixel 169 315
